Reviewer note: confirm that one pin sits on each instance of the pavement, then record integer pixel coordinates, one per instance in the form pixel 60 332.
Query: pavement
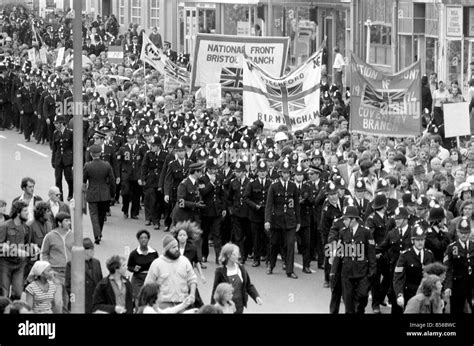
pixel 279 293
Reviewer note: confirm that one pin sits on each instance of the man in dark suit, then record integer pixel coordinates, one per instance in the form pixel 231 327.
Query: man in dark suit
pixel 62 156
pixel 238 209
pixel 212 193
pixel 92 277
pixel 100 178
pixel 255 197
pixel 282 218
pixel 49 107
pixel 189 202
pixel 89 47
pixel 317 196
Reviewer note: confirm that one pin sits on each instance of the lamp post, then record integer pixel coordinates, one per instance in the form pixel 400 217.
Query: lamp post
pixel 77 263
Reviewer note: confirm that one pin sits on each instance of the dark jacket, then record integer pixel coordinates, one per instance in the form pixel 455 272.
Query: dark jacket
pixel 62 148
pixel 101 181
pixel 459 262
pixel 212 196
pixel 104 297
pixel 188 197
pixel 393 244
pixel 220 276
pixel 437 242
pixel 235 199
pixel 283 208
pixel 256 195
pixel 93 276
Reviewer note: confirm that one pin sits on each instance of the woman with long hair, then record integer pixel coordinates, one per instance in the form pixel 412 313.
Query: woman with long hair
pixel 223 297
pixel 234 273
pixel 187 233
pixel 428 301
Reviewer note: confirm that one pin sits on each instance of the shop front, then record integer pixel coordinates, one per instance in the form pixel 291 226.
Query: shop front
pixel 307 23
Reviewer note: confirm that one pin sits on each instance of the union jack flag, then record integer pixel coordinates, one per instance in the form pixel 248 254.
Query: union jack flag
pixel 387 101
pixel 232 77
pixel 176 72
pixel 284 99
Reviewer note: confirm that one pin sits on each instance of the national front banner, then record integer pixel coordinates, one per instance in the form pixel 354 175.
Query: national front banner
pixel 292 100
pixel 219 58
pixel 385 104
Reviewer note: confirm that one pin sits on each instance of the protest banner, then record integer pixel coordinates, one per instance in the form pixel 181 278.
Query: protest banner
pixel 155 57
pixel 214 95
pixel 115 54
pixel 43 55
pixel 385 104
pixel 292 100
pixel 456 119
pixel 59 59
pixel 219 58
pixel 32 57
pixel 171 84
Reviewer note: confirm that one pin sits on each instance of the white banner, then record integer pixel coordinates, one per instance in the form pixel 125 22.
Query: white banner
pixel 154 56
pixel 214 95
pixel 32 57
pixel 456 119
pixel 218 58
pixel 292 100
pixel 59 60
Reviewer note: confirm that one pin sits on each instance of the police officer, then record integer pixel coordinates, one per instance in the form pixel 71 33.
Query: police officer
pixel 437 235
pixel 379 225
pixel 255 197
pixel 459 260
pixel 356 255
pixel 332 210
pixel 129 161
pixel 360 201
pixel 398 240
pixel 99 176
pixel 239 210
pixel 212 194
pixel 282 218
pixel 26 107
pixel 317 196
pixel 62 155
pixel 49 106
pixel 189 202
pixel 306 202
pixel 152 165
pixel 176 172
pixel 409 270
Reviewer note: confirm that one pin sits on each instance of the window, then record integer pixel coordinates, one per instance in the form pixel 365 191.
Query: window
pixel 380 44
pixel 155 14
pixel 136 11
pixel 122 12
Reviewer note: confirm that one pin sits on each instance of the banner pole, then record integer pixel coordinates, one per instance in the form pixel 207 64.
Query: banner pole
pixel 144 80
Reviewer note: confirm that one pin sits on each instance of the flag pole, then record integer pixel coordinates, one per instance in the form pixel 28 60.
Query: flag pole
pixel 144 79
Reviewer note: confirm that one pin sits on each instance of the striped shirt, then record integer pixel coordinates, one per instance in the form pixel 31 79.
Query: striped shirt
pixel 42 301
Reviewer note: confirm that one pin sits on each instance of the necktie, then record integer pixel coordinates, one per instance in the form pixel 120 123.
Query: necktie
pixel 419 256
pixel 285 186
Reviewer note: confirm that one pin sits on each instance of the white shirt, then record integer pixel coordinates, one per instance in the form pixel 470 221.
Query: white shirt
pixel 338 61
pixel 417 252
pixel 440 96
pixel 404 229
pixel 31 207
pixel 54 207
pixel 443 153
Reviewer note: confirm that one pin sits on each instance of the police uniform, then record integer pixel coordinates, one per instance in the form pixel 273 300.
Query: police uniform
pixel 239 211
pixel 228 175
pixel 409 269
pixel 436 237
pixel 379 226
pixel 304 234
pixel 99 176
pixel 283 213
pixel 459 261
pixel 189 201
pixel 26 108
pixel 318 197
pixel 356 267
pixel 211 215
pixel 255 196
pixel 129 162
pixel 62 156
pixel 329 214
pixel 396 241
pixel 152 166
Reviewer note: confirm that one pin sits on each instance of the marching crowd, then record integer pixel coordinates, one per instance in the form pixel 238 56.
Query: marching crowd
pixel 389 216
